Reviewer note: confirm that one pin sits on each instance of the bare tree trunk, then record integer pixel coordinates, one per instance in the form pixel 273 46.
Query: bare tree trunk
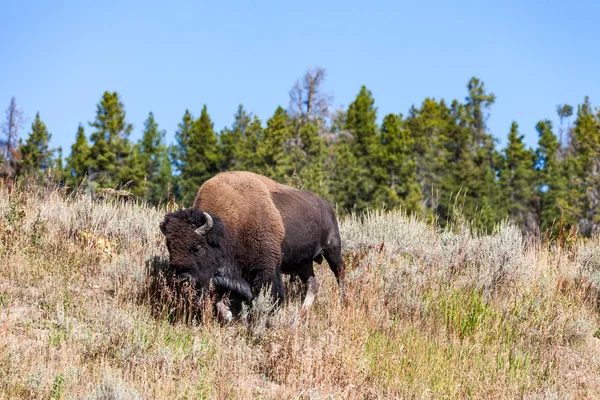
pixel 308 102
pixel 9 143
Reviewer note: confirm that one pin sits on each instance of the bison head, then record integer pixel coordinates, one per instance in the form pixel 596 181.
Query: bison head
pixel 193 239
pixel 199 252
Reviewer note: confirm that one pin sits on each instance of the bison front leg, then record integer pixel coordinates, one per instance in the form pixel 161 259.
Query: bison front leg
pixel 223 311
pixel 272 279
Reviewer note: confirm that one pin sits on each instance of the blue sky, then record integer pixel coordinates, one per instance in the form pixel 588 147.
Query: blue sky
pixel 59 57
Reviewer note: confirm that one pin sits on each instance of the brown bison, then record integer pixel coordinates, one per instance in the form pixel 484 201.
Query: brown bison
pixel 244 230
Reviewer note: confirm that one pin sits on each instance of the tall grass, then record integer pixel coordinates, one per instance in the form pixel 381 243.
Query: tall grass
pixel 430 313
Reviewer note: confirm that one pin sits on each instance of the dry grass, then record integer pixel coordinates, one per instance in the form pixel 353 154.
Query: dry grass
pixel 430 314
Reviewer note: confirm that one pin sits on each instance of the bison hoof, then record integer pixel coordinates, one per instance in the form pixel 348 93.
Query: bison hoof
pixel 224 312
pixel 309 300
pixel 228 317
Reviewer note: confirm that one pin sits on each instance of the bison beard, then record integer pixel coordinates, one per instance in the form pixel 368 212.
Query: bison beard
pixel 245 230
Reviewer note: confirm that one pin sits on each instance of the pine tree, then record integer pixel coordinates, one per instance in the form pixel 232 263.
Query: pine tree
pixel 356 154
pixel 134 170
pixel 552 183
pixel 204 143
pixel 79 160
pixel 164 179
pixel 195 154
pixel 311 161
pixel 150 143
pixel 36 156
pixel 111 150
pixel 347 173
pixel 154 161
pixel 462 184
pixel 232 141
pixel 517 181
pixel 564 111
pixel 248 152
pixel 361 123
pixel 431 127
pixel 584 196
pixel 482 188
pixel 478 101
pixel 397 170
pixel 274 150
pixel 178 152
pixel 58 170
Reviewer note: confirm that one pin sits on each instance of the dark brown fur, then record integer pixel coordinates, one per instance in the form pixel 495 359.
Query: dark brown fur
pixel 268 229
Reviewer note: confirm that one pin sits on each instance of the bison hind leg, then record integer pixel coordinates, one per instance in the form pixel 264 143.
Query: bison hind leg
pixel 311 291
pixel 307 275
pixel 336 264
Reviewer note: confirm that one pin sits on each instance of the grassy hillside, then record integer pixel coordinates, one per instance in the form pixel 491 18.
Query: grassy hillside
pixel 430 314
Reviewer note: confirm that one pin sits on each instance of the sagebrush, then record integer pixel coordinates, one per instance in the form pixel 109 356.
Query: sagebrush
pixel 430 313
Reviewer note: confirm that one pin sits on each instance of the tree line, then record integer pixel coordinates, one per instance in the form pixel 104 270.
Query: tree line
pixel 438 156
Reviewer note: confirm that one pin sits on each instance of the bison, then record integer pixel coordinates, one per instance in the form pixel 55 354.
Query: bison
pixel 245 230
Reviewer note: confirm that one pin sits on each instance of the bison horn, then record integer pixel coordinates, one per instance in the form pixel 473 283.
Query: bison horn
pixel 204 229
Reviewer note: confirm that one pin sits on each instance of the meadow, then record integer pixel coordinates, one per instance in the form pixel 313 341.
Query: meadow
pixel 430 312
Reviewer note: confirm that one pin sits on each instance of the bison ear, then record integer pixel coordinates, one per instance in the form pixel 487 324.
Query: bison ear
pixel 215 235
pixel 163 227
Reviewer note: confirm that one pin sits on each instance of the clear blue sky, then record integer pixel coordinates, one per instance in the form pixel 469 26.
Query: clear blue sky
pixel 58 57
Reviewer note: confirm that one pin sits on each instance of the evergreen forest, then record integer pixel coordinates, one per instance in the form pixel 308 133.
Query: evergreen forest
pixel 438 159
